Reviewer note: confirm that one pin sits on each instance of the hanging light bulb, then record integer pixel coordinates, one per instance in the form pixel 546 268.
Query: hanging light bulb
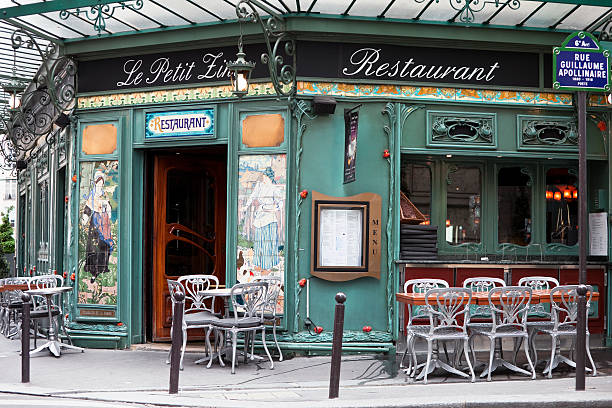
pixel 567 194
pixel 549 194
pixel 557 196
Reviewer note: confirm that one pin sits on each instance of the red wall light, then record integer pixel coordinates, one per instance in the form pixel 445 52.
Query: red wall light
pixel 549 195
pixel 558 196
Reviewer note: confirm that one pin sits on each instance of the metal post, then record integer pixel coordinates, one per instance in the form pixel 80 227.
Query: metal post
pixel 582 230
pixel 25 338
pixel 177 340
pixel 334 377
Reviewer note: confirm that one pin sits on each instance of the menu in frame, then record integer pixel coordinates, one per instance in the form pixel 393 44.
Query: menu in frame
pixel 340 240
pixel 346 236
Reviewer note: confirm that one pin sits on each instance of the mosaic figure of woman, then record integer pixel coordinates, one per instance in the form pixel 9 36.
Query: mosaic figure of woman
pixel 267 202
pixel 97 216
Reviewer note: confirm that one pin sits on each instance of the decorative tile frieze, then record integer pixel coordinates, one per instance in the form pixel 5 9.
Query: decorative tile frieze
pixel 461 130
pixel 546 133
pixel 307 88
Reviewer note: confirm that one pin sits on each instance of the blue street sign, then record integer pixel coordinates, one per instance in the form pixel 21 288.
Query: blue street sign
pixel 581 65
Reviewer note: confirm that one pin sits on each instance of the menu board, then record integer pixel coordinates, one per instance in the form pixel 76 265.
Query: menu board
pixel 346 236
pixel 340 240
pixel 598 234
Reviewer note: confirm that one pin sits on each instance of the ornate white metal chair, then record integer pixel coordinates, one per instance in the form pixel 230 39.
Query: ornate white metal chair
pixel 564 318
pixel 12 299
pixel 248 308
pixel 508 306
pixel 416 313
pixel 196 313
pixel 274 289
pixel 480 315
pixel 445 307
pixel 39 303
pixel 539 311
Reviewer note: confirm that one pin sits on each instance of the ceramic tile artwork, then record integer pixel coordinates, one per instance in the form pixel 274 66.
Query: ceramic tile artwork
pixel 261 218
pixel 98 232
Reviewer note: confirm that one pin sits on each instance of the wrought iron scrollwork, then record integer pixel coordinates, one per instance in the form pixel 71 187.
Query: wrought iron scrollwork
pixel 99 13
pixel 51 93
pixel 282 74
pixel 468 8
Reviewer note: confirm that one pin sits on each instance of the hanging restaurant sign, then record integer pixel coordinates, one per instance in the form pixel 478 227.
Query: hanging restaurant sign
pixel 325 60
pixel 581 65
pixel 179 124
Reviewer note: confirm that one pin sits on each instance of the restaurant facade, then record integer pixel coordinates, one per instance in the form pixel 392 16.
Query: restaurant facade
pixel 162 171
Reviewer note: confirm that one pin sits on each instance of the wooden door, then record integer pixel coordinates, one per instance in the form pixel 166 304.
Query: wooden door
pixel 189 227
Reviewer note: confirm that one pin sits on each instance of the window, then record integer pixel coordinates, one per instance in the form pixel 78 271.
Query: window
pixel 513 206
pixel 463 205
pixel 416 184
pixel 561 207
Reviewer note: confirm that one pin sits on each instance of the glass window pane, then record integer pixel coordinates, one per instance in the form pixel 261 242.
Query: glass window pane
pixel 561 207
pixel 416 184
pixel 463 205
pixel 513 207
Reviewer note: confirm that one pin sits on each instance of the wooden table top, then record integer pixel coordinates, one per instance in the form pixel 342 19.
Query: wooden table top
pixel 482 298
pixel 9 287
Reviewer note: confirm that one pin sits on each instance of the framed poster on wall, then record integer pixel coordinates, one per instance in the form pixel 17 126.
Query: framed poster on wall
pixel 345 236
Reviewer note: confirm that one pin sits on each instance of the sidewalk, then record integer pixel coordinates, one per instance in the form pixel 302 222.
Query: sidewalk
pixel 141 376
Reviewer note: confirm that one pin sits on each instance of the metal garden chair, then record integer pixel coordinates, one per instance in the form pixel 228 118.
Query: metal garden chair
pixel 540 312
pixel 445 307
pixel 564 319
pixel 248 309
pixel 39 303
pixel 197 315
pixel 417 313
pixel 274 288
pixel 482 313
pixel 508 306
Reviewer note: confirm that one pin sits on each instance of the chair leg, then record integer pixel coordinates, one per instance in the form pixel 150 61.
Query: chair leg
pixel 280 353
pixel 209 352
pixel 491 352
pixel 414 357
pixel 552 355
pixel 183 349
pixel 169 351
pixel 429 351
pixel 234 341
pixel 263 340
pixel 531 365
pixel 467 358
pixel 517 346
pixel 588 351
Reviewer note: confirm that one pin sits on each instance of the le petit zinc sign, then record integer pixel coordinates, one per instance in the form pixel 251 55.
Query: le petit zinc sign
pixel 581 65
pixel 180 124
pixel 325 60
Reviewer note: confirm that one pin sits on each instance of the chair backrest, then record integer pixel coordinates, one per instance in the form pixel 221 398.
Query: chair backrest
pixel 539 283
pixel 510 303
pixel 482 284
pixel 274 289
pixel 564 301
pixel 421 286
pixel 44 282
pixel 193 284
pixel 249 299
pixel 444 307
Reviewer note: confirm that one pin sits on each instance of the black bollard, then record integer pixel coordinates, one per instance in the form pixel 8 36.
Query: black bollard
pixel 581 337
pixel 25 338
pixel 334 376
pixel 177 340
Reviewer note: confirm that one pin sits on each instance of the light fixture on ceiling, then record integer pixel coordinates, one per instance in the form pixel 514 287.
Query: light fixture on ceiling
pixel 240 71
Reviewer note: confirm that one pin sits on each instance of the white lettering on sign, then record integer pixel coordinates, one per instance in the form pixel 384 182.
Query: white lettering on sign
pixel 366 61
